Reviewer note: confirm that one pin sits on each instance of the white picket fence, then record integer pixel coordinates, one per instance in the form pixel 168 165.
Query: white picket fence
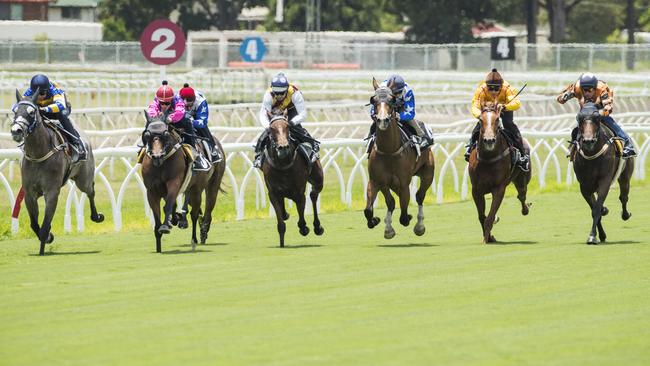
pixel 342 157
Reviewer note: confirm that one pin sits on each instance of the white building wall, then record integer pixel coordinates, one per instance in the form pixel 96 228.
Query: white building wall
pixel 61 30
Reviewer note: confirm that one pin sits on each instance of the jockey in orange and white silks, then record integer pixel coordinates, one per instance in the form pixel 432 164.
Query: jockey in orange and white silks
pixel 589 89
pixel 286 97
pixel 495 89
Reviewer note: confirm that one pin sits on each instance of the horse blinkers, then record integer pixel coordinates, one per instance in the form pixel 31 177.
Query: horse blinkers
pixel 282 150
pixel 589 128
pixel 21 126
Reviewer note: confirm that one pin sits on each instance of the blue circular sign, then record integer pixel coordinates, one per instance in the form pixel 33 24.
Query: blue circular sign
pixel 252 49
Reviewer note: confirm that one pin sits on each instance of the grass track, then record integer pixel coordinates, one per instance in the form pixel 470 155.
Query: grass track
pixel 349 297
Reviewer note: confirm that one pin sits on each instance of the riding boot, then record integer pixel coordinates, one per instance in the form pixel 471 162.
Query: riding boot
pixel 259 149
pixel 212 151
pixel 628 148
pixel 73 138
pixel 301 135
pixel 573 143
pixel 472 140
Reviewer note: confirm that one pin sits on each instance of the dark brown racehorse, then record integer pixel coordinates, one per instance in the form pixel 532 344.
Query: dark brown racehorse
pixel 46 167
pixel 166 171
pixel 491 170
pixel 392 164
pixel 286 174
pixel 596 166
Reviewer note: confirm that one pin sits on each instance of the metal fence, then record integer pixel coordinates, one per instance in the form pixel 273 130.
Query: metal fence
pixel 305 54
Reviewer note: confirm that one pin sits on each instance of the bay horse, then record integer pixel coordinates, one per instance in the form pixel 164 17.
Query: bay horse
pixel 167 172
pixel 392 164
pixel 597 165
pixel 286 173
pixel 491 169
pixel 46 167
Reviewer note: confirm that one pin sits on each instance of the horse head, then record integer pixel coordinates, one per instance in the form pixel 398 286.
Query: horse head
pixel 26 116
pixel 490 124
pixel 279 131
pixel 384 103
pixel 589 124
pixel 157 138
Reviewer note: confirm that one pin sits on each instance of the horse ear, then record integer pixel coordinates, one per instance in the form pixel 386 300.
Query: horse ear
pixel 18 97
pixel 375 84
pixel 35 95
pixel 390 85
pixel 146 116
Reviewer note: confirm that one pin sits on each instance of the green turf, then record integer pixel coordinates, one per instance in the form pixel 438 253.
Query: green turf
pixel 541 297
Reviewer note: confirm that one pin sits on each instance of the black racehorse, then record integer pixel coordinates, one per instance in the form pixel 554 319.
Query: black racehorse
pixel 597 165
pixel 47 166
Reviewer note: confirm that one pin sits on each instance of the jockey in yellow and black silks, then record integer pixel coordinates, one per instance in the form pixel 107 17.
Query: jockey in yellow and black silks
pixel 286 97
pixel 53 104
pixel 495 89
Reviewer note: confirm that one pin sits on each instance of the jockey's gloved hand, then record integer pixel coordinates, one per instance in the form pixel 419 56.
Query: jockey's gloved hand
pixel 568 95
pixel 45 109
pixel 188 116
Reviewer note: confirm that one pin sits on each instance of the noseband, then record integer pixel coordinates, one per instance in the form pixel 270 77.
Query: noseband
pixel 22 121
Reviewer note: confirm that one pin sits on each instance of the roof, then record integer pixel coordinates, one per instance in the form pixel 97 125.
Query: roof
pixel 75 3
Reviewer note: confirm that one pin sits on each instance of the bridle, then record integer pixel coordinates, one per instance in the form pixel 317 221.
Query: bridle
pixel 274 145
pixel 27 127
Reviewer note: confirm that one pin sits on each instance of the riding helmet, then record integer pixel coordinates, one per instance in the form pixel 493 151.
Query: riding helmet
pixel 397 83
pixel 279 83
pixel 39 81
pixel 187 93
pixel 494 78
pixel 165 93
pixel 588 80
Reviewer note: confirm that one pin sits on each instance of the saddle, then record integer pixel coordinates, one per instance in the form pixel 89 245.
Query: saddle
pixel 62 138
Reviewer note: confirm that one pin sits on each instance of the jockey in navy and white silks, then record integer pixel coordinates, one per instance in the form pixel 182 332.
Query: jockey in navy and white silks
pixel 52 103
pixel 196 112
pixel 286 97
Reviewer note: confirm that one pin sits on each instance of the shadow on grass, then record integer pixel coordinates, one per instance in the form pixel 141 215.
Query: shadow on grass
pixel 409 245
pixel 297 246
pixel 620 242
pixel 184 251
pixel 206 244
pixel 66 253
pixel 515 242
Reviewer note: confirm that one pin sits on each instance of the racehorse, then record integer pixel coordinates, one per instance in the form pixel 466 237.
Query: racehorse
pixel 167 172
pixel 286 175
pixel 597 165
pixel 491 169
pixel 46 166
pixel 392 164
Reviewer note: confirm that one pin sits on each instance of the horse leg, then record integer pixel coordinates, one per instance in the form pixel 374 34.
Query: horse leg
pixel 316 181
pixel 278 206
pixel 389 232
pixel 32 209
pixel 497 198
pixel 479 201
pixel 603 191
pixel 154 203
pixel 371 195
pixel 425 183
pixel 170 203
pixel 404 199
pixel 211 194
pixel 181 218
pixel 522 190
pixel 596 214
pixel 624 184
pixel 300 206
pixel 87 186
pixel 44 235
pixel 195 202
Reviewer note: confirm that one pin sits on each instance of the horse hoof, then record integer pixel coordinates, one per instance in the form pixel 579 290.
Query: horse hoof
pixel 524 211
pixel 99 218
pixel 174 220
pixel 592 240
pixel 164 229
pixel 285 217
pixel 405 220
pixel 491 239
pixel 626 215
pixel 182 223
pixel 389 234
pixel 193 244
pixel 419 230
pixel 304 231
pixel 496 219
pixel 50 238
pixel 319 230
pixel 373 222
pixel 604 211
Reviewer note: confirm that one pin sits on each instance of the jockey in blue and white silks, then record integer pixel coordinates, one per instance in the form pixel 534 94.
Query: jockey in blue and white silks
pixel 196 112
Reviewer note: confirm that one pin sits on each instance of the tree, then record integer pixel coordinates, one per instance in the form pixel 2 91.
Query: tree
pixel 128 18
pixel 558 12
pixel 531 10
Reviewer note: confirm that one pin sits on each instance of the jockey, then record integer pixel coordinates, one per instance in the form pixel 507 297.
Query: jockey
pixel 405 106
pixel 172 108
pixel 286 97
pixel 196 111
pixel 495 89
pixel 53 105
pixel 589 89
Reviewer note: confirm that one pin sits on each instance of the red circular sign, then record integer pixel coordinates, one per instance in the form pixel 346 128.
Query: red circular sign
pixel 162 42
